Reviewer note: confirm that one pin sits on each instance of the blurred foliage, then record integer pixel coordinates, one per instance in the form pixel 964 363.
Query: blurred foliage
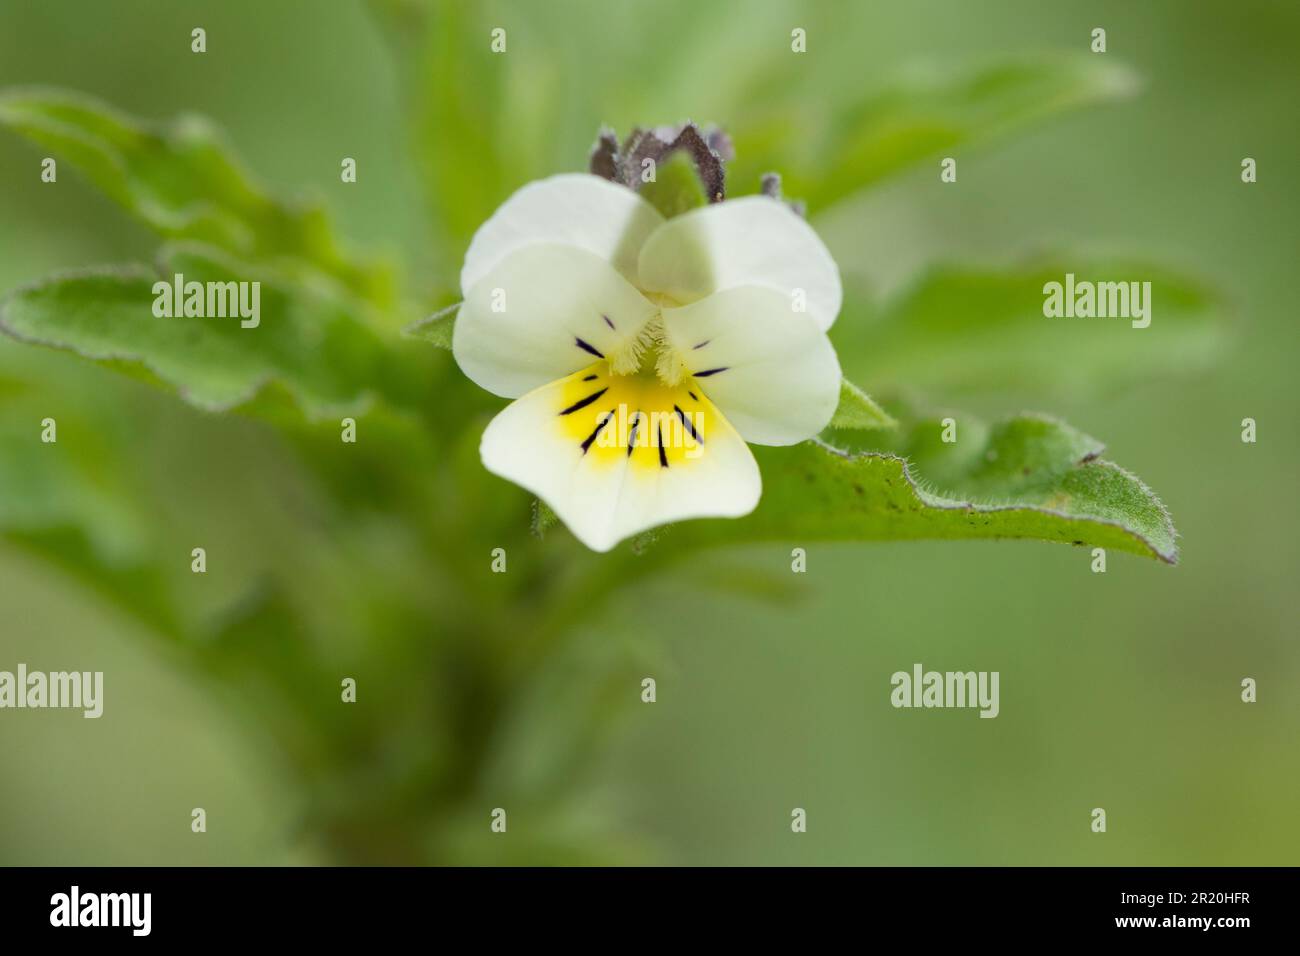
pixel 993 331
pixel 848 143
pixel 181 180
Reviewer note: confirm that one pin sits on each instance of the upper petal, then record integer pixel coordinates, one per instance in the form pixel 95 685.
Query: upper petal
pixel 544 311
pixel 771 371
pixel 607 220
pixel 614 455
pixel 750 241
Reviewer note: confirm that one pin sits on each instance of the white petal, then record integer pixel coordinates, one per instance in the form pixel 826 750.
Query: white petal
pixel 771 371
pixel 749 241
pixel 575 209
pixel 543 312
pixel 608 472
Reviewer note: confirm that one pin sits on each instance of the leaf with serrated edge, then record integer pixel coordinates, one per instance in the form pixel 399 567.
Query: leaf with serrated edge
pixel 311 345
pixel 1029 477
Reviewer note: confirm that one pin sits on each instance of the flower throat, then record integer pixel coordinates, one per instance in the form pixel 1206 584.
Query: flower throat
pixel 648 354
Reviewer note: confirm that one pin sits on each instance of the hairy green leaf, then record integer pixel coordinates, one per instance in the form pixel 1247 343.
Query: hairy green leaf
pixel 543 518
pixel 1029 477
pixel 856 410
pixel 437 329
pixel 310 344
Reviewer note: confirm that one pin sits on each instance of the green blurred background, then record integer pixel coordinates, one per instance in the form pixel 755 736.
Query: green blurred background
pixel 1118 690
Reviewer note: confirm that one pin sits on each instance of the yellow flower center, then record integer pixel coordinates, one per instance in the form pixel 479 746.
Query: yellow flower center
pixel 638 416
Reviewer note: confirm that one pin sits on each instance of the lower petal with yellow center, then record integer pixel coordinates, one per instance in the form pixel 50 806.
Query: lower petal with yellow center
pixel 614 455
